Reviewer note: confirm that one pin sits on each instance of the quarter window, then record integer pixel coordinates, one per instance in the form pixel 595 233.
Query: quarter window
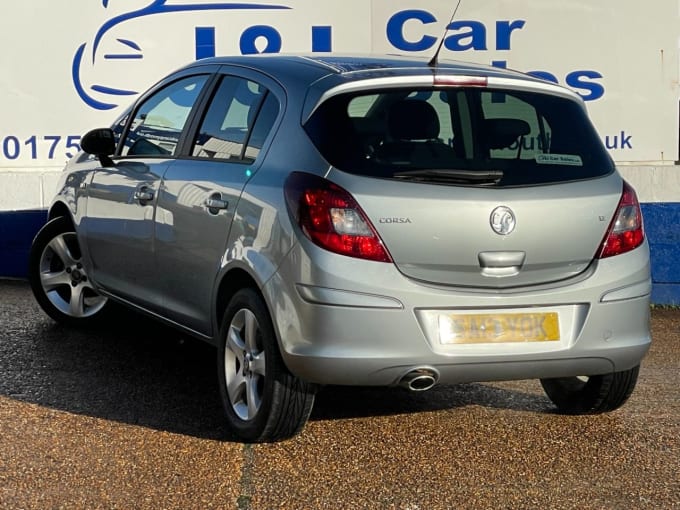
pixel 237 122
pixel 159 121
pixel 263 124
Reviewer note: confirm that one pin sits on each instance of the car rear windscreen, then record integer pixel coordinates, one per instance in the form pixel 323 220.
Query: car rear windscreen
pixel 459 136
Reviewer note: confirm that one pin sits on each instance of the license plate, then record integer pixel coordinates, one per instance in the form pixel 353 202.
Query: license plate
pixel 499 328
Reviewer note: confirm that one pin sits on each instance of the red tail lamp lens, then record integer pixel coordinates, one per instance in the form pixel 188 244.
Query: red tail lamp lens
pixel 331 218
pixel 626 231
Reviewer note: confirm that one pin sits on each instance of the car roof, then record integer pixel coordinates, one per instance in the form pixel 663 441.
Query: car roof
pixel 309 79
pixel 341 68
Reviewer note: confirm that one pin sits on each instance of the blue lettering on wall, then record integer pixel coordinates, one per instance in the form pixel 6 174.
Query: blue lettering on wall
pixel 395 30
pixel 468 34
pixel 582 80
pixel 252 34
pixel 544 75
pixel 472 31
pixel 53 147
pixel 465 35
pixel 504 30
pixel 621 141
pixel 205 42
pixel 321 39
pixel 462 35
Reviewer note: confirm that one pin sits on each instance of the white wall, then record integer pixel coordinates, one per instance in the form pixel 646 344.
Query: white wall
pixel 68 67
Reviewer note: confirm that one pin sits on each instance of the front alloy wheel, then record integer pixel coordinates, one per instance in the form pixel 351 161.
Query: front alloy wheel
pixel 58 279
pixel 262 400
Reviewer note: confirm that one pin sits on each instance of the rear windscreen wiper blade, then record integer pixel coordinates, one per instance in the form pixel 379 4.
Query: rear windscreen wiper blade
pixel 452 175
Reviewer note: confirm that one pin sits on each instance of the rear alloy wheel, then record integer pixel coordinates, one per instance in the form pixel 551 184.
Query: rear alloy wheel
pixel 58 279
pixel 591 395
pixel 262 400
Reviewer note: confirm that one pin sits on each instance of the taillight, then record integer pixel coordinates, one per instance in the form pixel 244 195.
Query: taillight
pixel 331 218
pixel 626 231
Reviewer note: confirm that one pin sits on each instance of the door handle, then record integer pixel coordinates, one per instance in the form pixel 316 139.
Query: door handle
pixel 215 203
pixel 143 195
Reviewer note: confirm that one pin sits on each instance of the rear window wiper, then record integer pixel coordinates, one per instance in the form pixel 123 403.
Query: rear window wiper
pixel 451 175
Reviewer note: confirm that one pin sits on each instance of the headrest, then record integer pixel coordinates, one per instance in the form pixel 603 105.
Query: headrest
pixel 502 133
pixel 412 119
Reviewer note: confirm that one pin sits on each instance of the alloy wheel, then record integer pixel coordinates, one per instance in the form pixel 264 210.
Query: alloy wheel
pixel 64 280
pixel 244 364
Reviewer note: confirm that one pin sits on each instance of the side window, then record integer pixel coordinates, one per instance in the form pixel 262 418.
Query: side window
pixel 158 122
pixel 263 125
pixel 230 117
pixel 516 129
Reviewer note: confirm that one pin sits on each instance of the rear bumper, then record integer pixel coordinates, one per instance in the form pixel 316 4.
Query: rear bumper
pixel 375 333
pixel 379 348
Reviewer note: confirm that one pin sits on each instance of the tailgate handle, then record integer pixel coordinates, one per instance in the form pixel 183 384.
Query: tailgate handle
pixel 501 263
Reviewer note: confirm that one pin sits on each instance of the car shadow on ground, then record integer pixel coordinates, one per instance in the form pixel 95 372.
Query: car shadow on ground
pixel 360 402
pixel 136 371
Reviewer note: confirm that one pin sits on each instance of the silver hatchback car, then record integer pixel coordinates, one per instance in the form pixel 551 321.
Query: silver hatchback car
pixel 358 221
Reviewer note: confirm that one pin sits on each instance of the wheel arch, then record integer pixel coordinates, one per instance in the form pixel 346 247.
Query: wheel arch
pixel 60 209
pixel 231 282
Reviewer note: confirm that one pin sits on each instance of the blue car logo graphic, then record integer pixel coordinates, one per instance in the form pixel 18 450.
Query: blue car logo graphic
pixel 130 50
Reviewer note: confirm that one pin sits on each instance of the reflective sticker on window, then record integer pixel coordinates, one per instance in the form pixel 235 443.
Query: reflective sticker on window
pixel 559 159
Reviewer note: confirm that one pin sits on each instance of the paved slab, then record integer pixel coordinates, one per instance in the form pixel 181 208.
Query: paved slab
pixel 129 417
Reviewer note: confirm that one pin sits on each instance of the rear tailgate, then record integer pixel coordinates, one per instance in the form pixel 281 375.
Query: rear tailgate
pixel 484 182
pixel 444 234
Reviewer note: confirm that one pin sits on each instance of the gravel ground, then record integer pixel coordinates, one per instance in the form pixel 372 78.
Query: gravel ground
pixel 129 417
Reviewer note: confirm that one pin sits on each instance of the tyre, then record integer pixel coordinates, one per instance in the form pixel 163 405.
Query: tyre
pixel 591 395
pixel 262 400
pixel 58 279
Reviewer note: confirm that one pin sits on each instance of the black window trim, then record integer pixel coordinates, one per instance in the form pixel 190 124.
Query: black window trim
pixel 273 87
pixel 209 83
pixel 186 150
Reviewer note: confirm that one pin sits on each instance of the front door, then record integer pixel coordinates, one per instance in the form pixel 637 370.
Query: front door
pixel 121 210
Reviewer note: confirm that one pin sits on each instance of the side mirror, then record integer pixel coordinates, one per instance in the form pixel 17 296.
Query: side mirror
pixel 101 143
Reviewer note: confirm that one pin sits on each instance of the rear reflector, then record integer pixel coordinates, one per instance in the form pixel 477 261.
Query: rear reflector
pixel 626 231
pixel 460 81
pixel 330 217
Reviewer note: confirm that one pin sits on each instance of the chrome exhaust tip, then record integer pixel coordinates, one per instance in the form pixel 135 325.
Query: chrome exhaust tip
pixel 419 379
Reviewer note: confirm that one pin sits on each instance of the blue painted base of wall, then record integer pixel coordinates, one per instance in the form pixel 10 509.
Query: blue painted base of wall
pixel 17 230
pixel 662 224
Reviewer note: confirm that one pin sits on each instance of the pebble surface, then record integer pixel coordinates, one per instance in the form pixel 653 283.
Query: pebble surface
pixel 130 417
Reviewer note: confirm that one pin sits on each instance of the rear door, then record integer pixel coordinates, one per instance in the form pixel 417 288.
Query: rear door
pixel 121 211
pixel 201 191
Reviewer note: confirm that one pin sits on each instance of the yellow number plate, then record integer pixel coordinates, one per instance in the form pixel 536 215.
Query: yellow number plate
pixel 499 328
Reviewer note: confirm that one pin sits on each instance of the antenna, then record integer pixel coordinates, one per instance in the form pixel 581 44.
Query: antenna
pixel 433 61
